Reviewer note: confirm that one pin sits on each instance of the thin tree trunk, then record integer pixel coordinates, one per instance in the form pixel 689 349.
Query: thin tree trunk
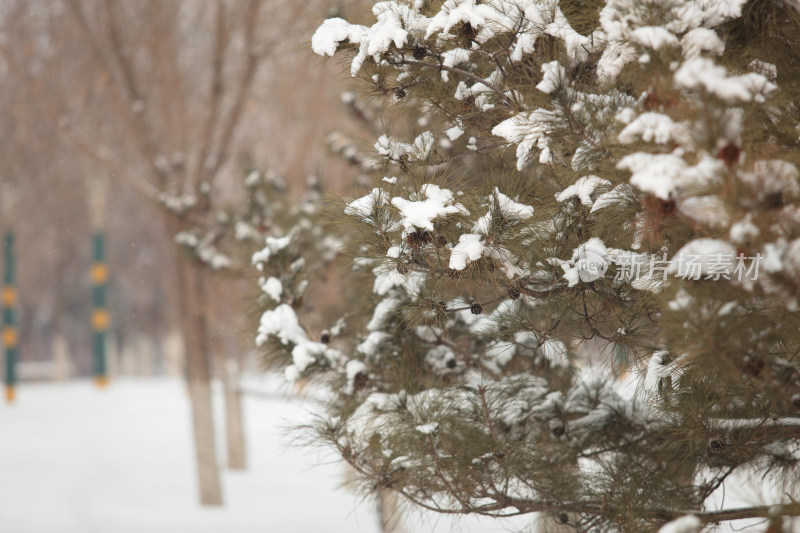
pixel 192 297
pixel 389 512
pixel 237 453
pixel 229 363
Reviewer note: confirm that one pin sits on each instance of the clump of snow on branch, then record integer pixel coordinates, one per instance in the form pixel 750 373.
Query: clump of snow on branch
pixel 274 245
pixel 653 127
pixel 684 524
pixel 469 249
pixel 431 202
pixel 281 322
pixel 332 32
pixel 365 206
pixel 589 262
pixel 583 189
pixel 654 37
pixel 273 287
pixel 701 72
pixel 528 131
pixel 553 76
pixel 704 257
pixel 419 150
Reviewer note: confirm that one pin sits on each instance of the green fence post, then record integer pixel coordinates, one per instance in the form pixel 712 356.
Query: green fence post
pixel 10 336
pixel 100 315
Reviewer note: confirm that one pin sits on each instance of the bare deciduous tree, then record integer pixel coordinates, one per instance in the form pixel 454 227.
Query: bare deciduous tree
pixel 155 91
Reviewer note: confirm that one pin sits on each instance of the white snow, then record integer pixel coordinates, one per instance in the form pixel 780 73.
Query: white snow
pixel 703 72
pixel 656 371
pixel 773 256
pixel 243 231
pixel 700 40
pixel 369 346
pixel 652 127
pixel 454 12
pixel 478 89
pixel 186 238
pixel 387 278
pixel 554 74
pixel 394 252
pixel 501 352
pixel 274 245
pixel 703 257
pixel 706 172
pixel 773 176
pixel 419 214
pixel 427 429
pixel 386 31
pixel 453 58
pixel 528 131
pixel 555 352
pixel 281 322
pixel 381 313
pixel 744 230
pixel 365 206
pixel 614 58
pixel 684 524
pixel 658 174
pixel 623 21
pixel 353 368
pixel 332 32
pixel 708 210
pixel 273 287
pixel 583 188
pixel 530 19
pixel 614 196
pixel 709 13
pixel 625 115
pixel 577 46
pixel 305 354
pixel 469 249
pixel 509 209
pixel 653 37
pixel 76 459
pixel 589 262
pixel 454 133
pixel 394 24
pixel 791 259
pixel 416 151
pixel 766 69
pixel 440 355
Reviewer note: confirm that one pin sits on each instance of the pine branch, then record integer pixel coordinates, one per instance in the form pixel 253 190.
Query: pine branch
pixel 455 70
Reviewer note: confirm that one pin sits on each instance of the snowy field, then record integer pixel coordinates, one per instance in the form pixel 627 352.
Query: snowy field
pixel 75 459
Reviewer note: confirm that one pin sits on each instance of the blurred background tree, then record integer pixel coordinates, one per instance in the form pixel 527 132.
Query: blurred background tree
pixel 170 103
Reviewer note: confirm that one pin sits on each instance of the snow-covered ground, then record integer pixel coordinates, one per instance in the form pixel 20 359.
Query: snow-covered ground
pixel 75 459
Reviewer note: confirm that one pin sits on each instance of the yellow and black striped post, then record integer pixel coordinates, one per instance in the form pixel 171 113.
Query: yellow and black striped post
pixel 10 336
pixel 100 315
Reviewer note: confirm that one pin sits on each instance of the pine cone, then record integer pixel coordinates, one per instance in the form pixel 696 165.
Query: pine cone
pixel 360 381
pixel 716 445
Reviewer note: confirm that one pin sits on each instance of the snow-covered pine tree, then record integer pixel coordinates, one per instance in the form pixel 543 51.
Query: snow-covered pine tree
pixel 599 185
